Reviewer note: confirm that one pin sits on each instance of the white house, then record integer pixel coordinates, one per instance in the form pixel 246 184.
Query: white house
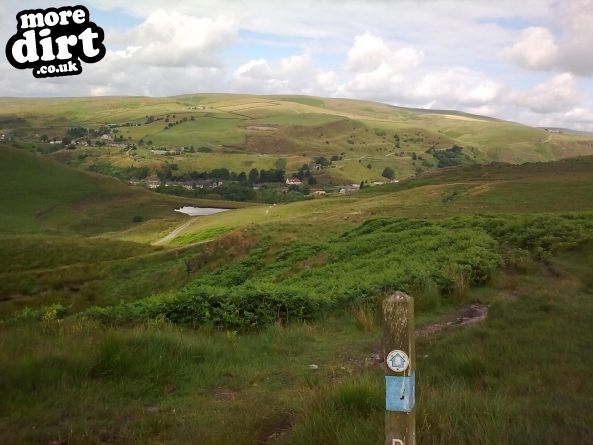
pixel 294 181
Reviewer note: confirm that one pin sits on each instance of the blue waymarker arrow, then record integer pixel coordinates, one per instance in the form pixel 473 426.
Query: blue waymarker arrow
pixel 397 361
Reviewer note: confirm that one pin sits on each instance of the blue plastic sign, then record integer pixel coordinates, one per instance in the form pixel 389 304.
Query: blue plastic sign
pixel 400 393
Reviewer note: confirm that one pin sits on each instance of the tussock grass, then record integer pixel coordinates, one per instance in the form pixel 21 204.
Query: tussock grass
pixel 486 384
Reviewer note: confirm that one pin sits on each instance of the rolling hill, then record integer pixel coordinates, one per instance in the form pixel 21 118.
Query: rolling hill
pixel 560 186
pixel 42 195
pixel 241 132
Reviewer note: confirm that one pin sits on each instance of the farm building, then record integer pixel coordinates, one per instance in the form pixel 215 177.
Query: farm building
pixel 294 181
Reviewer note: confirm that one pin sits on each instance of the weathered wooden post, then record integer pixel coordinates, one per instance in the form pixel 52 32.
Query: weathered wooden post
pixel 400 361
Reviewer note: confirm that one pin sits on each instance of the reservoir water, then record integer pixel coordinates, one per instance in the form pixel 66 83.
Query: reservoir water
pixel 200 211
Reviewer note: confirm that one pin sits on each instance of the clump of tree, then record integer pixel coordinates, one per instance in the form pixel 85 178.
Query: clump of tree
pixel 254 176
pixel 449 157
pixel 125 174
pixel 77 132
pixel 388 173
pixel 321 160
pixel 304 172
pixel 237 191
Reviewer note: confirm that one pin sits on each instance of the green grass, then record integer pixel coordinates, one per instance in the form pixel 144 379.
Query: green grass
pixel 202 131
pixel 40 195
pixel 49 249
pixel 81 272
pixel 204 235
pixel 156 382
pixel 18 253
pixel 43 196
pixel 490 383
pixel 305 119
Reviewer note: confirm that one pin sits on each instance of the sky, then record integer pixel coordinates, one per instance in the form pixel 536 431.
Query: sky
pixel 529 61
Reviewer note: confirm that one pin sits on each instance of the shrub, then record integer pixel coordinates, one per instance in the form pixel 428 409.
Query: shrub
pixel 429 259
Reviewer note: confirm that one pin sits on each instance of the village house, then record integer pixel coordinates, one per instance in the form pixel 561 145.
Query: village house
pixel 206 183
pixel 188 185
pixel 153 182
pixel 349 189
pixel 294 181
pixel 159 152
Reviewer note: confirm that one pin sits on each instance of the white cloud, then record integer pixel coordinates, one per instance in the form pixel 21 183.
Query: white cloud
pixel 458 86
pixel 579 118
pixel 371 53
pixel 553 95
pixel 566 49
pixel 536 49
pixel 296 73
pixel 258 70
pixel 169 38
pixel 378 69
pixel 398 76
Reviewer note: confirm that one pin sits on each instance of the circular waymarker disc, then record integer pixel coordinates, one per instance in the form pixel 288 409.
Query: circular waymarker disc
pixel 397 361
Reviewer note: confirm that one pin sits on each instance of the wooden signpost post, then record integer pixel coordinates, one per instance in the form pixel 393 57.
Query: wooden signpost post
pixel 400 364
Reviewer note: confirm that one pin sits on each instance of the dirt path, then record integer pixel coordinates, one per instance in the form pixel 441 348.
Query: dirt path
pixel 474 313
pixel 173 234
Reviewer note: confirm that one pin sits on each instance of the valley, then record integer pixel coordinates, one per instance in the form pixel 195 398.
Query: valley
pixel 125 321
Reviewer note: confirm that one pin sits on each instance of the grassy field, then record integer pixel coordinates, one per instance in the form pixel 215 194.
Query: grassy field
pixel 488 384
pixel 78 381
pixel 41 195
pixel 71 237
pixel 363 133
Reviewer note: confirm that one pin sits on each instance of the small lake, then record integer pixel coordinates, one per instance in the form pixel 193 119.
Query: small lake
pixel 200 211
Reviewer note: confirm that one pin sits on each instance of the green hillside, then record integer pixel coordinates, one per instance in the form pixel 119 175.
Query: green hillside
pixel 80 238
pixel 561 186
pixel 41 195
pixel 242 132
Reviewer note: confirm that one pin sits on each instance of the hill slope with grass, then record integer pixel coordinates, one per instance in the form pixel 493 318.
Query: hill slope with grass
pixel 41 195
pixel 242 132
pixel 561 186
pixel 81 238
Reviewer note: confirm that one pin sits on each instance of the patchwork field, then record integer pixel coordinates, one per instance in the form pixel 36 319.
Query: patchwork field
pixel 244 132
